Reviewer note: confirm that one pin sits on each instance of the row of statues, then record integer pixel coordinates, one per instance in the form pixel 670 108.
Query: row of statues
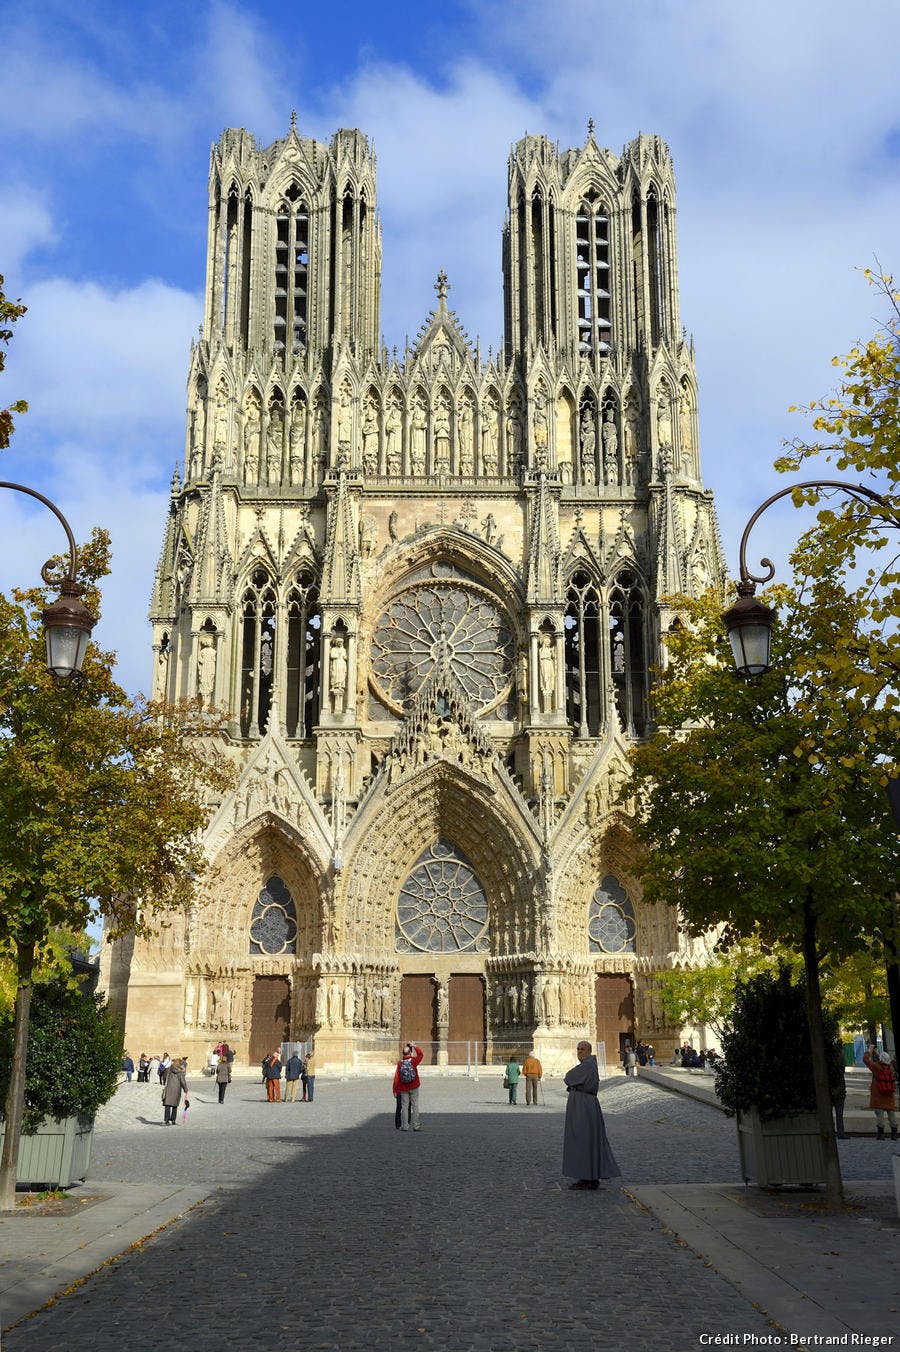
pixel 287 447
pixel 541 999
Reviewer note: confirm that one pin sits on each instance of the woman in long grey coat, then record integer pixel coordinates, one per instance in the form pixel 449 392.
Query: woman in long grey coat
pixel 587 1156
pixel 176 1084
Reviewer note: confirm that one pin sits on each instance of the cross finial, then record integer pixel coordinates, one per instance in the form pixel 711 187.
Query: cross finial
pixel 590 126
pixel 293 119
pixel 442 286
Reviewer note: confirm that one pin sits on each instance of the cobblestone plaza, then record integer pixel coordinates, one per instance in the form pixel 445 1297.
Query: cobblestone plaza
pixel 323 1227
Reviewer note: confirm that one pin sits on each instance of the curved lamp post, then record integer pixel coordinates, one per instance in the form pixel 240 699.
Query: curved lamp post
pixel 749 622
pixel 67 622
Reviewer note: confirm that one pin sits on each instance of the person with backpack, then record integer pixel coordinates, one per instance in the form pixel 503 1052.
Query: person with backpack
pixel 882 1090
pixel 407 1085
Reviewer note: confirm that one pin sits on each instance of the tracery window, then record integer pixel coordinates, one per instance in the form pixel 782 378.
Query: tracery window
pixel 442 907
pixel 273 924
pixel 584 708
pixel 611 927
pixel 258 606
pixel 463 622
pixel 304 623
pixel 592 262
pixel 291 272
pixel 627 654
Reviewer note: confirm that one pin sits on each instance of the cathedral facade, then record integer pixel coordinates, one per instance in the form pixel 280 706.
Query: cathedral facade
pixel 429 587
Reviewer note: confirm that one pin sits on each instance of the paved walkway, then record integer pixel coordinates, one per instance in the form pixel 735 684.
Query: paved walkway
pixel 322 1226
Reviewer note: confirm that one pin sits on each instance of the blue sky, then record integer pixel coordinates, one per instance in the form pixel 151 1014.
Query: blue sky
pixel 783 121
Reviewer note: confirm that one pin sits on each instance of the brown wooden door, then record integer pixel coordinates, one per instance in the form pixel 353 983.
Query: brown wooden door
pixel 466 1018
pixel 614 995
pixel 270 1024
pixel 418 1014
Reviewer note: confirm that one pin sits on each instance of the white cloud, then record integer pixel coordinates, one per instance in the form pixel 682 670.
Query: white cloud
pixel 26 224
pixel 91 360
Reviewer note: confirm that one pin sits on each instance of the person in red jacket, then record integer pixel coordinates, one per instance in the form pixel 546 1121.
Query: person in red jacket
pixel 407 1085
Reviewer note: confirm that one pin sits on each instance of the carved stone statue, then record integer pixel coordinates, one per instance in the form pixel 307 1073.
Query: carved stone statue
pixel 686 433
pixel 296 440
pixel 588 439
pixel 393 431
pixel 274 445
pixel 370 438
pixel 514 438
pixel 610 448
pixel 206 670
pixel 443 1005
pixel 466 446
pixel 541 425
pixel 441 438
pixel 220 420
pixel 551 999
pixel 417 439
pixel 320 1004
pixel 251 444
pixel 547 673
pixel 349 1002
pixel 632 442
pixel 337 674
pixel 320 434
pixel 334 1004
pixel 345 421
pixel 489 430
pixel 663 421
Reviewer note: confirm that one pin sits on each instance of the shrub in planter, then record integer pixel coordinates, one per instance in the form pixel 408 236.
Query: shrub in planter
pixel 767 1059
pixel 74 1054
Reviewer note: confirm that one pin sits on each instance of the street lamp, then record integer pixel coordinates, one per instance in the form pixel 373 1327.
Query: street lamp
pixel 749 622
pixel 67 622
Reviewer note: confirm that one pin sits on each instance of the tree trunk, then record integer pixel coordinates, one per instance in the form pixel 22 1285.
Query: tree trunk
pixel 834 1187
pixel 892 949
pixel 15 1098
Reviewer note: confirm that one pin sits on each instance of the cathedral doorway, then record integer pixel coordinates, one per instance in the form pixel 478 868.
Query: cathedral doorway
pixel 467 1024
pixel 418 1014
pixel 614 1004
pixel 270 1022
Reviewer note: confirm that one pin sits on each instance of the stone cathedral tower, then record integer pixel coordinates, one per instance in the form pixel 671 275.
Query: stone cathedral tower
pixel 429 589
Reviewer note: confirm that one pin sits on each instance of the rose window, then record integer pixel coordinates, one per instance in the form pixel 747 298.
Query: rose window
pixel 422 623
pixel 442 907
pixel 611 927
pixel 273 925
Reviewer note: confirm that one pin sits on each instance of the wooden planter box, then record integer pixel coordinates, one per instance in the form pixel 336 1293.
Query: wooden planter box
pixel 58 1154
pixel 785 1151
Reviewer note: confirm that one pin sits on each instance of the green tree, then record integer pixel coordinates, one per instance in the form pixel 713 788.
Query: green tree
pixel 74 1053
pixel 10 312
pixel 102 802
pixel 856 431
pixel 705 995
pixel 756 812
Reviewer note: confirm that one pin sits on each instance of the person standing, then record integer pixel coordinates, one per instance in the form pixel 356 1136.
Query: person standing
pixel 511 1079
pixel 128 1067
pixel 272 1071
pixel 162 1069
pixel 223 1076
pixel 292 1068
pixel 587 1156
pixel 310 1077
pixel 407 1085
pixel 882 1090
pixel 144 1069
pixel 533 1071
pixel 176 1084
pixel 629 1059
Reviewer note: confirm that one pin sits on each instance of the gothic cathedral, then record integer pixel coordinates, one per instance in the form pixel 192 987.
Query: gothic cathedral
pixel 430 589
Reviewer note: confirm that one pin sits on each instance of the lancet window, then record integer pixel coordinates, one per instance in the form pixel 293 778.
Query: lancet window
pixel 258 611
pixel 304 625
pixel 592 261
pixel 611 927
pixel 584 708
pixel 291 272
pixel 627 650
